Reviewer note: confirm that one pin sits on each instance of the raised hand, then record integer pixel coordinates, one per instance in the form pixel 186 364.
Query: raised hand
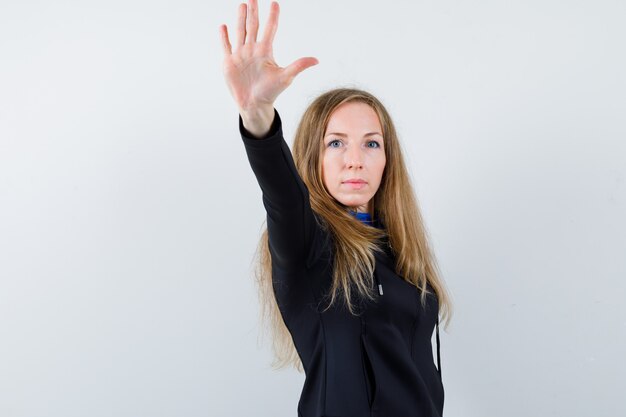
pixel 253 77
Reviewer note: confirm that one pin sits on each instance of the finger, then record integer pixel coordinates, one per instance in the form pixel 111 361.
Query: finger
pixel 252 23
pixel 272 24
pixel 241 24
pixel 298 66
pixel 225 41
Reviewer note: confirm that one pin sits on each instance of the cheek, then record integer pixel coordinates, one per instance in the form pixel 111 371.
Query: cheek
pixel 328 168
pixel 326 172
pixel 380 167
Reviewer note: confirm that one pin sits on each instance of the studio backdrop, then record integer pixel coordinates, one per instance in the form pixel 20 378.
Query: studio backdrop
pixel 129 215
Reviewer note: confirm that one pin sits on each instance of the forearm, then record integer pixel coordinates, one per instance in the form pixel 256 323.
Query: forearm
pixel 290 220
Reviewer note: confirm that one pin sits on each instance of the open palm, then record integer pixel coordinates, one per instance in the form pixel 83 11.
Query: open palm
pixel 253 77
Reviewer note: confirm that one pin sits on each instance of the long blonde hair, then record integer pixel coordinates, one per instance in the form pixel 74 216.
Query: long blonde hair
pixel 354 242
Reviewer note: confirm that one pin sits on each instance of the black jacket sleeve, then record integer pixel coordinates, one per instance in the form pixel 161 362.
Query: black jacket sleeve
pixel 291 224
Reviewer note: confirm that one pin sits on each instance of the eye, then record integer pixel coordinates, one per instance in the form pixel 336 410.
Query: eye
pixel 374 142
pixel 330 144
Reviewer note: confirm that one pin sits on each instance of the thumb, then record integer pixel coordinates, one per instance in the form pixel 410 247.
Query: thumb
pixel 298 66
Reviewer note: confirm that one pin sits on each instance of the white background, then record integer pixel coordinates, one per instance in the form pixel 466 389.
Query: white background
pixel 129 214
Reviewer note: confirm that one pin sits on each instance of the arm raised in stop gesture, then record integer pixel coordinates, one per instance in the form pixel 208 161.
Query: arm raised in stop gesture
pixel 253 77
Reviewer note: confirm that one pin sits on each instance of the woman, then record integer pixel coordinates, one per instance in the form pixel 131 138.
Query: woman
pixel 346 273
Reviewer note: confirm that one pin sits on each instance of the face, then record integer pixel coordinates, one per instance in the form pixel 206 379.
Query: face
pixel 353 159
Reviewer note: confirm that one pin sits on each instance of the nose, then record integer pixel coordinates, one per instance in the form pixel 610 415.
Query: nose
pixel 354 158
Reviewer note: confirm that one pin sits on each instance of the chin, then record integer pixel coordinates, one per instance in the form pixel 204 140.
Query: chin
pixel 353 204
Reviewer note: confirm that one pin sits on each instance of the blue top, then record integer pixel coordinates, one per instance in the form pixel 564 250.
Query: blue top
pixel 364 217
pixel 367 219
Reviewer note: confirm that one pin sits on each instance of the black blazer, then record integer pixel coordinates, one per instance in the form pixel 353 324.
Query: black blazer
pixel 379 363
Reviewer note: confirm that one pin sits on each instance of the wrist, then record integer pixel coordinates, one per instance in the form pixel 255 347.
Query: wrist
pixel 258 120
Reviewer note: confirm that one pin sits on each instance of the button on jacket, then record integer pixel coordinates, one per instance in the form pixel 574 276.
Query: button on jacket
pixel 377 364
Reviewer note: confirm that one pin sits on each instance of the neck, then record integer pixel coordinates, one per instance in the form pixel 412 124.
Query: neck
pixel 361 209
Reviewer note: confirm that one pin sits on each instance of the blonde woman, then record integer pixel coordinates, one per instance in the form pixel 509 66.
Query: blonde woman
pixel 346 275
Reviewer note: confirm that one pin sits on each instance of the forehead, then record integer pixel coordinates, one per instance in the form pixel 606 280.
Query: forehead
pixel 354 117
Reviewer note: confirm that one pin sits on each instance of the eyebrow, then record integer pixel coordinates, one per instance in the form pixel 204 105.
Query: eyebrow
pixel 344 135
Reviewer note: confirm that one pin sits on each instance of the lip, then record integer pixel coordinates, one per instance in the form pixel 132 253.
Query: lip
pixel 355 183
